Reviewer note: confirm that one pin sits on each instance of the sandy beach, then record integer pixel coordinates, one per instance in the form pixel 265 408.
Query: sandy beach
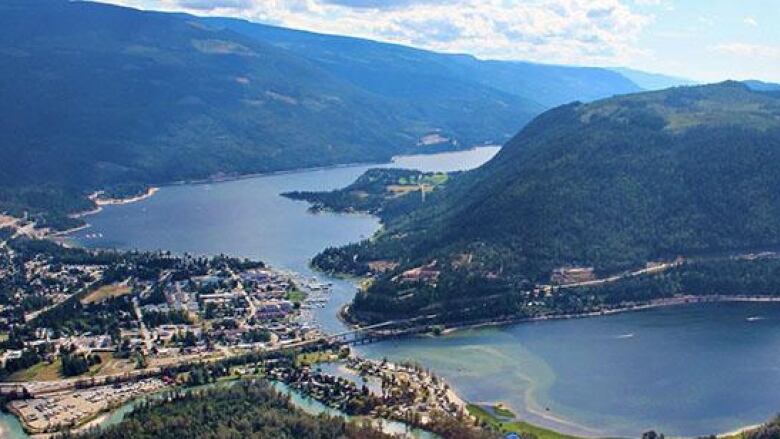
pixel 118 201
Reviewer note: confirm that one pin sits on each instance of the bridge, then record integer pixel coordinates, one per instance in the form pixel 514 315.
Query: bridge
pixel 356 336
pixel 382 331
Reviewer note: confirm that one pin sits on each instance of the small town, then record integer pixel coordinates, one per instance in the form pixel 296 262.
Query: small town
pixel 380 389
pixel 85 332
pixel 389 219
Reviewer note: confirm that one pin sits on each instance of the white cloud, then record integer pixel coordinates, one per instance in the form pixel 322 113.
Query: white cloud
pixel 561 31
pixel 750 21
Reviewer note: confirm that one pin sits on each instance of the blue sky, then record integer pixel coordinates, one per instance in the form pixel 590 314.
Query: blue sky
pixel 705 40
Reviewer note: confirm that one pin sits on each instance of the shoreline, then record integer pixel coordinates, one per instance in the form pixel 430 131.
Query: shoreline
pixel 390 161
pixel 239 177
pixel 150 191
pixel 554 422
pixel 228 178
pixel 101 202
pixel 738 432
pixel 653 304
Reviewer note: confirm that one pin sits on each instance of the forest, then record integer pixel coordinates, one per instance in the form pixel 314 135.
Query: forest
pixel 611 185
pixel 247 409
pixel 386 193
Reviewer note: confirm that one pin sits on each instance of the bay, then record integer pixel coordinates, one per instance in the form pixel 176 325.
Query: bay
pixel 687 370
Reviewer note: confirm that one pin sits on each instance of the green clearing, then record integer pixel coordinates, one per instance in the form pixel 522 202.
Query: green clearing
pixel 45 371
pixel 42 371
pixel 106 292
pixel 106 359
pixel 296 296
pixel 515 426
pixel 502 410
pixel 436 179
pixel 311 358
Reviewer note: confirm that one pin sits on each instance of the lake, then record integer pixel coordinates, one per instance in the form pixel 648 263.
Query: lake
pixel 248 218
pixel 686 370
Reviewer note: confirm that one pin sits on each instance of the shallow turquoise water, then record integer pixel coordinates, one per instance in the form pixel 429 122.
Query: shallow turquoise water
pixel 248 218
pixel 688 370
pixel 10 427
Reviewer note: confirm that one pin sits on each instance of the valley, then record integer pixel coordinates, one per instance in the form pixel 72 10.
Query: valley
pixel 530 369
pixel 389 219
pixel 216 98
pixel 588 208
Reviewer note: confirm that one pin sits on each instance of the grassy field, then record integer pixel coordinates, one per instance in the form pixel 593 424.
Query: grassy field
pixel 105 292
pixel 42 371
pixel 425 184
pixel 399 190
pixel 311 358
pixel 433 179
pixel 436 179
pixel 296 296
pixel 45 371
pixel 105 366
pixel 514 426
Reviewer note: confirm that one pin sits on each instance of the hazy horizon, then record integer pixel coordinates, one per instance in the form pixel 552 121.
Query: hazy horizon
pixel 700 41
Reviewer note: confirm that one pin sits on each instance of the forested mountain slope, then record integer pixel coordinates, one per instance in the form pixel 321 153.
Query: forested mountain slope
pixel 403 72
pixel 610 185
pixel 97 96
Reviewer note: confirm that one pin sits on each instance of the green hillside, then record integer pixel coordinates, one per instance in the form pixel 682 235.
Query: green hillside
pixel 403 72
pixel 99 96
pixel 103 94
pixel 610 185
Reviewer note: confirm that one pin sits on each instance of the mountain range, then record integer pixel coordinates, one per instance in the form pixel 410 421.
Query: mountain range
pixel 609 186
pixel 98 96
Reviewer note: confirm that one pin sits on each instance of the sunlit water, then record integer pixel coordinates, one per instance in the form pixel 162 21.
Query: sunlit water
pixel 687 370
pixel 248 218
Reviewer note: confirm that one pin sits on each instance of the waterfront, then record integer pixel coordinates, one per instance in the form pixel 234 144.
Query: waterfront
pixel 248 218
pixel 684 370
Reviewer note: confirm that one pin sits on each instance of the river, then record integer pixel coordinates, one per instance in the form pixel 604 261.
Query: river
pixel 687 370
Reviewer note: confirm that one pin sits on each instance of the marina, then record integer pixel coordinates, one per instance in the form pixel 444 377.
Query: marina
pixel 528 371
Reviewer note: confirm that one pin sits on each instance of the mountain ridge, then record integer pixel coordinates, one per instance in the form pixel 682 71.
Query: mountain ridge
pixel 612 185
pixel 103 97
pixel 549 84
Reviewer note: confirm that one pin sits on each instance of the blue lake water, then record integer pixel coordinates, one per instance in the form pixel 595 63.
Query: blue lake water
pixel 687 370
pixel 248 218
